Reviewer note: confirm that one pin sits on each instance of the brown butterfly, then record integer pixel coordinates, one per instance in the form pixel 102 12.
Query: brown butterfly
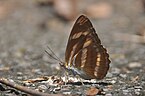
pixel 85 56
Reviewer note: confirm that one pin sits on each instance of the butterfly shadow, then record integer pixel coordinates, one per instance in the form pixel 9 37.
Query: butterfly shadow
pixel 89 83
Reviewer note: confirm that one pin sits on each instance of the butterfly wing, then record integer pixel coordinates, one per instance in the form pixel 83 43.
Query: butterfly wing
pixel 77 36
pixel 84 50
pixel 94 61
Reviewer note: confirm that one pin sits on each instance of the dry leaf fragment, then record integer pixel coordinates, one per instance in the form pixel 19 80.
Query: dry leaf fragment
pixel 37 80
pixel 92 91
pixel 135 79
pixel 110 87
pixel 66 8
pixel 4 68
pixel 99 10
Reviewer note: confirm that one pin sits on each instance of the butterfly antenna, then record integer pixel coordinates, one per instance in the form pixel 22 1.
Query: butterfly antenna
pixel 50 55
pixel 56 57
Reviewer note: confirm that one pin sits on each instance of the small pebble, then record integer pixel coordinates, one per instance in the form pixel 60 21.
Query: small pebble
pixel 121 82
pixel 67 93
pixel 135 65
pixel 27 84
pixel 92 91
pixel 105 89
pixel 18 54
pixel 116 71
pixel 113 81
pixel 109 75
pixel 125 92
pixel 137 91
pixel 42 88
pixel 131 88
pixel 57 89
pixel 19 77
pixel 19 73
pixel 37 71
pixel 123 75
pixel 109 94
pixel 138 87
pixel 12 81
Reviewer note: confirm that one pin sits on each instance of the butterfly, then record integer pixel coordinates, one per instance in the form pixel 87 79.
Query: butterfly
pixel 84 55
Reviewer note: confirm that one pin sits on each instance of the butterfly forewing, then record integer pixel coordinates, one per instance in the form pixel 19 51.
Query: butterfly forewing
pixel 85 52
pixel 78 34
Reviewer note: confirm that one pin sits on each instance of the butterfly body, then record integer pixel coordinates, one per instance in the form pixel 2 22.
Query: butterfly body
pixel 79 72
pixel 85 56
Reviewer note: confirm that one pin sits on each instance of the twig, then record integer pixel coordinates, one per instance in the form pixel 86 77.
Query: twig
pixel 4 69
pixel 25 89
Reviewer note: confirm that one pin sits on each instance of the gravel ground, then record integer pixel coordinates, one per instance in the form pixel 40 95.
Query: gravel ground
pixel 26 29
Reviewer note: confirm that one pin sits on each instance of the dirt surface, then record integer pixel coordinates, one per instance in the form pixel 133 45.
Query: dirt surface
pixel 26 29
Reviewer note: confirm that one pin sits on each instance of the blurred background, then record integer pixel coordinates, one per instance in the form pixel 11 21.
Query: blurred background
pixel 27 27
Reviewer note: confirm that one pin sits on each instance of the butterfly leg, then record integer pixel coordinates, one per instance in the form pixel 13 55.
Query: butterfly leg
pixel 66 77
pixel 79 78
